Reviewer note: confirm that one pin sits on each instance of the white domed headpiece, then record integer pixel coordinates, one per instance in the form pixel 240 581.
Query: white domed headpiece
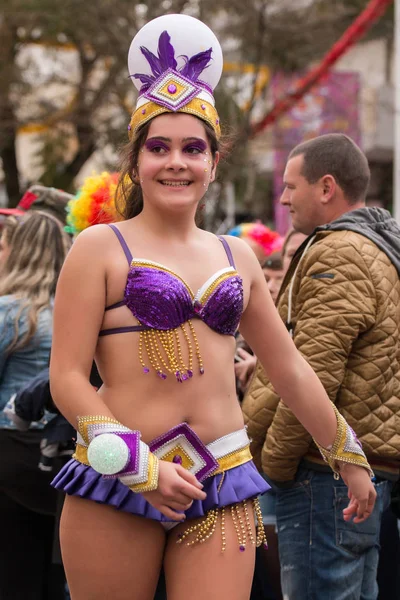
pixel 175 61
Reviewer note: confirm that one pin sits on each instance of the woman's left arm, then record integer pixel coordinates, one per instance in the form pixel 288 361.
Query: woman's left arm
pixel 295 381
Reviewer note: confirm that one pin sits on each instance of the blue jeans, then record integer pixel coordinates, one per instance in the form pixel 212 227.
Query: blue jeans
pixel 322 556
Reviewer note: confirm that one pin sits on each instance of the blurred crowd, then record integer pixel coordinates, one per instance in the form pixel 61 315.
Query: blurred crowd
pixel 35 440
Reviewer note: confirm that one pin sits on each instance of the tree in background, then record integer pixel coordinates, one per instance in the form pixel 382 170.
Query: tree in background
pixel 80 101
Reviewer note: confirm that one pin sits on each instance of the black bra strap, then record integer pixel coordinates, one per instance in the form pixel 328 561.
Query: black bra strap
pixel 125 329
pixel 115 305
pixel 228 251
pixel 122 242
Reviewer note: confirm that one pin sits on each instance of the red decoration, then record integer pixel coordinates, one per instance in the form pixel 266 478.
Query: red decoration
pixel 372 12
pixel 27 200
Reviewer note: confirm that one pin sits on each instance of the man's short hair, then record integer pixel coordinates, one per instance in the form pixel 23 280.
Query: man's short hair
pixel 335 154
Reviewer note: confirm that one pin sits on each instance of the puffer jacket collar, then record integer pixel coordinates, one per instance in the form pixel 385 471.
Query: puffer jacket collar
pixel 376 224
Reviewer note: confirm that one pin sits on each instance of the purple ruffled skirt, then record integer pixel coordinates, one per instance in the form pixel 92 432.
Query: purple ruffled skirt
pixel 240 483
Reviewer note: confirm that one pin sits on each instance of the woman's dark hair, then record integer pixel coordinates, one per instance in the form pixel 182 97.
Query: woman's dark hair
pixel 129 198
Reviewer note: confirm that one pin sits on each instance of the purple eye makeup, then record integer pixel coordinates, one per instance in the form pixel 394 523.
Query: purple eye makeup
pixel 196 146
pixel 154 143
pixel 190 145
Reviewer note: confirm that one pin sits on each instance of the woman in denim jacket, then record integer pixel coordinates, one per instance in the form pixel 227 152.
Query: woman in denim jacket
pixel 32 251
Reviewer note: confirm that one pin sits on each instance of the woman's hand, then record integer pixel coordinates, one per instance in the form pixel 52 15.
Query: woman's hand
pixel 177 488
pixel 245 368
pixel 362 492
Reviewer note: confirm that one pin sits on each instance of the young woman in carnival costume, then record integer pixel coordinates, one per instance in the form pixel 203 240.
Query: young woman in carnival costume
pixel 162 472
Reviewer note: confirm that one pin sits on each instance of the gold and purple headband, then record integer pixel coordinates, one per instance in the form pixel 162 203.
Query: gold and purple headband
pixel 180 75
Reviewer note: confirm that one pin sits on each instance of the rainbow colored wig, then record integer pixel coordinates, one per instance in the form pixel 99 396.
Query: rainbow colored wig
pixel 270 241
pixel 94 203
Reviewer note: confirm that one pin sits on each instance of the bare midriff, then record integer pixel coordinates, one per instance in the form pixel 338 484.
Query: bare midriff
pixel 143 401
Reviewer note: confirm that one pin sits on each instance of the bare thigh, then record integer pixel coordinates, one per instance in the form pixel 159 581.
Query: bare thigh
pixel 108 553
pixel 204 571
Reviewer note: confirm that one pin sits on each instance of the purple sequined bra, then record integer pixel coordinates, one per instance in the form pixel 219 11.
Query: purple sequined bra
pixel 164 306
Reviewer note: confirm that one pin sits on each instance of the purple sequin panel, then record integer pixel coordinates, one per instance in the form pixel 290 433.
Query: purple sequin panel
pixel 157 299
pixel 224 307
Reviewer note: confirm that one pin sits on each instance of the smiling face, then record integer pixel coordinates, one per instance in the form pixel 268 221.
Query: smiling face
pixel 175 164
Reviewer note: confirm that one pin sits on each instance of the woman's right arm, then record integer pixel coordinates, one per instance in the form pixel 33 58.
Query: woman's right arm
pixel 78 314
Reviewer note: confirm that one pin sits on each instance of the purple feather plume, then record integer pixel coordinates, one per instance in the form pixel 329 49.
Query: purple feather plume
pixel 153 61
pixel 147 80
pixel 166 52
pixel 196 65
pixel 192 68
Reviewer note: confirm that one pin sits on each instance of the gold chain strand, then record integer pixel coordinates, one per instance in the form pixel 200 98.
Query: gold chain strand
pixel 190 349
pixel 146 346
pixel 171 351
pixel 213 526
pixel 177 369
pixel 163 351
pixel 221 482
pixel 223 535
pixel 153 358
pixel 182 367
pixel 233 515
pixel 202 531
pixel 248 524
pixel 242 546
pixel 159 341
pixel 197 348
pixel 261 537
pixel 208 528
pixel 156 353
pixel 144 366
pixel 199 529
pixel 163 339
pixel 176 349
pixel 188 531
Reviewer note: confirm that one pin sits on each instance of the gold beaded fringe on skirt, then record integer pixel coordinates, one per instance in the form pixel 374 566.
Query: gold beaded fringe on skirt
pixel 202 531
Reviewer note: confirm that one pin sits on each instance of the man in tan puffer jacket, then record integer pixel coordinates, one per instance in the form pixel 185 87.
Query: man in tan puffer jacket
pixel 341 301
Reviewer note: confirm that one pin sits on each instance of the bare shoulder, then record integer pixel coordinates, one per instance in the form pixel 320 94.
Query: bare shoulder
pixel 94 240
pixel 94 235
pixel 242 253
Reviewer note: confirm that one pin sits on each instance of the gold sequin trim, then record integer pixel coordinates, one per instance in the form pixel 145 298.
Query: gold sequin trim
pixel 230 461
pixel 205 296
pixel 338 453
pixel 83 423
pixel 159 267
pixel 150 110
pixel 233 459
pixel 152 477
pixel 80 454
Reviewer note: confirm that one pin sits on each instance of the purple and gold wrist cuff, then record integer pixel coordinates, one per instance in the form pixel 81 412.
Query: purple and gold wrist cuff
pixel 116 451
pixel 345 448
